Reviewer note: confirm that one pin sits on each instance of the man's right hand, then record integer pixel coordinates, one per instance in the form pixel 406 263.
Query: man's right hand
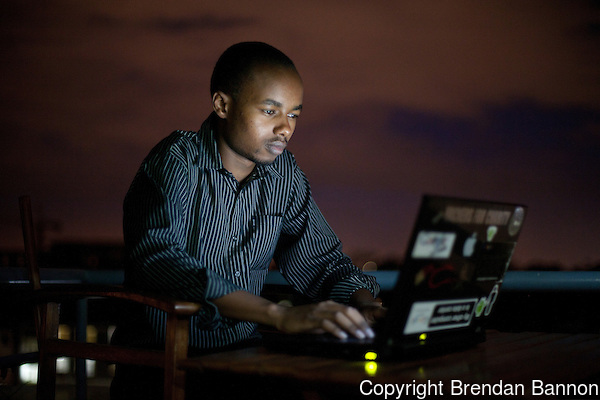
pixel 325 317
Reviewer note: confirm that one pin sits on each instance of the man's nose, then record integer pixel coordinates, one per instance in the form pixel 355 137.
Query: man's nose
pixel 284 127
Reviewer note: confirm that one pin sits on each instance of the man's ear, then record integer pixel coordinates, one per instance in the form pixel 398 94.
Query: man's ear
pixel 221 104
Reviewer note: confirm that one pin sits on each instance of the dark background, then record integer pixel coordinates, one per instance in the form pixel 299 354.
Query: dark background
pixel 493 100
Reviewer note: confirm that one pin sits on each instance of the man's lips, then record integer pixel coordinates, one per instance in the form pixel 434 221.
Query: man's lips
pixel 276 147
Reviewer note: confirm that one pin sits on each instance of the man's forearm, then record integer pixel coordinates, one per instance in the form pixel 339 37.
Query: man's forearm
pixel 246 306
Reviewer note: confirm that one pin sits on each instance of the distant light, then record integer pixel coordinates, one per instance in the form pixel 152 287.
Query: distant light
pixel 371 368
pixel 28 373
pixel 370 266
pixel 110 330
pixel 63 365
pixel 90 368
pixel 64 332
pixel 370 356
pixel 91 334
pixel 423 337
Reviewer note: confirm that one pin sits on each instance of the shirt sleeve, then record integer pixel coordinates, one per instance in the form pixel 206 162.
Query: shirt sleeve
pixel 310 255
pixel 157 230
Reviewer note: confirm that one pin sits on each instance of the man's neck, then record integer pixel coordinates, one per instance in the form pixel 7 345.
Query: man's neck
pixel 240 167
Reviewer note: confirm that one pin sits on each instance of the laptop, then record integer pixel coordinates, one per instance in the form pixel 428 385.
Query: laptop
pixel 457 255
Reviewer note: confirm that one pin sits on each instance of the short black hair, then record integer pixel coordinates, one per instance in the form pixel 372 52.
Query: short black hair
pixel 238 61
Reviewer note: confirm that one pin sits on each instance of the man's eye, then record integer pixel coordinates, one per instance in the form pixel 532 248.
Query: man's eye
pixel 292 115
pixel 269 112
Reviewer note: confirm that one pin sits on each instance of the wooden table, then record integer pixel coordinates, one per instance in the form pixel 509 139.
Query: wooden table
pixel 510 365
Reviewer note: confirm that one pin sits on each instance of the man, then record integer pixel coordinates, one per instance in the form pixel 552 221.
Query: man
pixel 209 210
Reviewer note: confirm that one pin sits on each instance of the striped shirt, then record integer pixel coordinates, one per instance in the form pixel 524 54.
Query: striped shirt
pixel 193 232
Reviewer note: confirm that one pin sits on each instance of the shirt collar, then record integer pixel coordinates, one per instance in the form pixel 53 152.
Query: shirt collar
pixel 209 154
pixel 262 171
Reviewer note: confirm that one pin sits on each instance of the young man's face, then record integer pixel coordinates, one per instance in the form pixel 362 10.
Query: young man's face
pixel 262 118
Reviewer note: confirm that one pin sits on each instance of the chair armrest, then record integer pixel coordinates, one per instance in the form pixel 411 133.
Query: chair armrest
pixel 59 293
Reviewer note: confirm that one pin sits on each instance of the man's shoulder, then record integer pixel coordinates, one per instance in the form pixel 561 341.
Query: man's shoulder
pixel 179 144
pixel 182 139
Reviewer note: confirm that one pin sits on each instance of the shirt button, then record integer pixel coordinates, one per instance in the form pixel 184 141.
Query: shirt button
pixel 237 274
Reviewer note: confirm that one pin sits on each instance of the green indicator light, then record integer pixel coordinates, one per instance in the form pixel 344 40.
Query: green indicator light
pixel 370 356
pixel 423 337
pixel 371 368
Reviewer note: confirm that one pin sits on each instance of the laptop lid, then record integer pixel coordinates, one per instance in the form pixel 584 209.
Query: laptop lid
pixel 454 265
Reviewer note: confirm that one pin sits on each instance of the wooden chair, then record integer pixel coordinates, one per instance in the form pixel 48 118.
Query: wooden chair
pixel 47 314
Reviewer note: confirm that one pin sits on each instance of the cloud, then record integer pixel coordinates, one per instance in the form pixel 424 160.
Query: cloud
pixel 183 23
pixel 207 22
pixel 523 141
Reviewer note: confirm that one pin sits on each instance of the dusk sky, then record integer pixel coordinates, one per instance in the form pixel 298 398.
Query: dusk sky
pixel 486 99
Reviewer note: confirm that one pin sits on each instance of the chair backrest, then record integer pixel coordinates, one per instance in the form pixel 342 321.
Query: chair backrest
pixel 47 320
pixel 31 255
pixel 29 241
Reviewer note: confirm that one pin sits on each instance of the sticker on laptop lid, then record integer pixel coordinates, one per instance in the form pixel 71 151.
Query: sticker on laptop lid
pixel 492 300
pixel 435 245
pixel 516 221
pixel 491 232
pixel 427 316
pixel 480 306
pixel 469 246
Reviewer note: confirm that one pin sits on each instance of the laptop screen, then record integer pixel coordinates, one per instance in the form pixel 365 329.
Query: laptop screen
pixel 458 254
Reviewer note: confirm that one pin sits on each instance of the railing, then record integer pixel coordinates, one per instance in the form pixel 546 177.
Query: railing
pixel 513 281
